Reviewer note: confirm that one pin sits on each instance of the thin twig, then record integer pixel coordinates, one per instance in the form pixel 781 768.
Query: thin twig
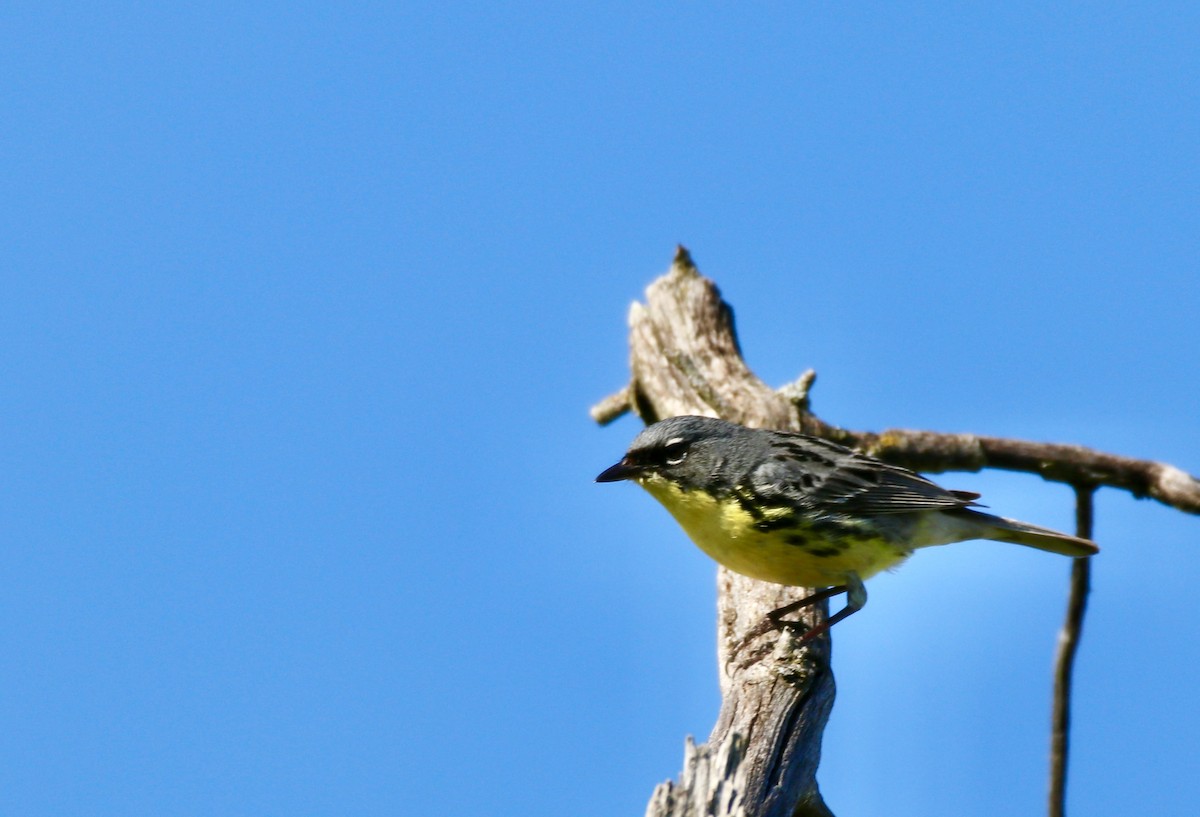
pixel 1064 660
pixel 615 405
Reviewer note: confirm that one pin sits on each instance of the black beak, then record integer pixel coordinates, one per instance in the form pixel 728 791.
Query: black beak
pixel 622 470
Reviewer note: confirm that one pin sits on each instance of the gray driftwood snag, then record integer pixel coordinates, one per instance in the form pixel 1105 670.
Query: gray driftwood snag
pixel 761 758
pixel 762 755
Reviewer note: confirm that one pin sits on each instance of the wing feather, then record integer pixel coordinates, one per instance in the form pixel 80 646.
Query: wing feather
pixel 826 477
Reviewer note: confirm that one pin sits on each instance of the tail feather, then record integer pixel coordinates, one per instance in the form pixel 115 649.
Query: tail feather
pixel 1022 533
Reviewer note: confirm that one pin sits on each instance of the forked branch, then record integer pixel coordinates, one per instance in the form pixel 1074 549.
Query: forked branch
pixel 761 758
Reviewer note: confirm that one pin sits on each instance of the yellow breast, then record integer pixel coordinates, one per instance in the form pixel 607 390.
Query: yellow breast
pixel 800 554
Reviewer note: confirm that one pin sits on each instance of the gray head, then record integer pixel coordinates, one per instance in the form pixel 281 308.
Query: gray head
pixel 693 452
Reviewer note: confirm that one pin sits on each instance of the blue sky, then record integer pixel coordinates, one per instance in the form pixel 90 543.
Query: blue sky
pixel 305 304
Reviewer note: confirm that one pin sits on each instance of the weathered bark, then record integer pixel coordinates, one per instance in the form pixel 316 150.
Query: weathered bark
pixel 762 756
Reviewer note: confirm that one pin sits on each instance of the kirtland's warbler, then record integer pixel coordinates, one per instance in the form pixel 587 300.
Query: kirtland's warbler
pixel 800 510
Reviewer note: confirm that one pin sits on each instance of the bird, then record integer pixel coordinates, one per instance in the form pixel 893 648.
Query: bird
pixel 799 510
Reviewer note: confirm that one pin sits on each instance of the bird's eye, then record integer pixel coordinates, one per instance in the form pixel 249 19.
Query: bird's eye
pixel 675 452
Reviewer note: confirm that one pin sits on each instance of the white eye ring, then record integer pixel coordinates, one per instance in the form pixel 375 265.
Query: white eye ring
pixel 682 456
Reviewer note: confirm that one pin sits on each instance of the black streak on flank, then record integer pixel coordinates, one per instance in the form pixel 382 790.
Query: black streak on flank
pixel 747 502
pixel 781 523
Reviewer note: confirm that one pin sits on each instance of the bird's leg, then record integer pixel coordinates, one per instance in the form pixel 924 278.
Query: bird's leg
pixel 856 597
pixel 774 619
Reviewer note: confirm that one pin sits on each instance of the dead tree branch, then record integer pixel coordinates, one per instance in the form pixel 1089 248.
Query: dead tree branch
pixel 761 758
pixel 1064 657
